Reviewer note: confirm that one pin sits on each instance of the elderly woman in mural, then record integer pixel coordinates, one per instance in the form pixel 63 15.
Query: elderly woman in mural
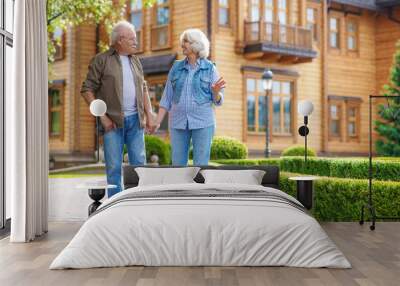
pixel 193 88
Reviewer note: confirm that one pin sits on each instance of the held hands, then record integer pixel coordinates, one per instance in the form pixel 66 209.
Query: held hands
pixel 152 124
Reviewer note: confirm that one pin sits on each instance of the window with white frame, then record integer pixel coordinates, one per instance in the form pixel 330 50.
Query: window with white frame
pixel 223 13
pixel 280 113
pixel 6 72
pixel 282 96
pixel 161 27
pixel 344 118
pixel 56 110
pixel 334 32
pixel 58 39
pixel 136 18
pixel 352 34
pixel 312 22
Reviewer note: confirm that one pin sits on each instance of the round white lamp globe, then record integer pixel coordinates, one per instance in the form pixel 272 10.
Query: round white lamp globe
pixel 305 107
pixel 98 107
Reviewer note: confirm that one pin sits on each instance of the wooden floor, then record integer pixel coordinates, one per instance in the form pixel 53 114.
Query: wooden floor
pixel 375 257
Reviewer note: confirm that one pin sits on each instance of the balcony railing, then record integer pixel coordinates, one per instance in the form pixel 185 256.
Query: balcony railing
pixel 161 37
pixel 277 34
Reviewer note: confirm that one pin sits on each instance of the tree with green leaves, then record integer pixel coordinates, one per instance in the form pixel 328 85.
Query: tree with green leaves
pixel 389 127
pixel 65 13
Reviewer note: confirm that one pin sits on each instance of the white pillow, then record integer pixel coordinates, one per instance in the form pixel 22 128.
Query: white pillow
pixel 166 176
pixel 249 177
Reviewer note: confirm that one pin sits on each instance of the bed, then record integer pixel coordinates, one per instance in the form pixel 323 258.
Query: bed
pixel 198 224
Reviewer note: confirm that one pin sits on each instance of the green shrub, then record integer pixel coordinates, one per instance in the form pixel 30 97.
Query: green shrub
pixel 227 148
pixel 298 151
pixel 383 170
pixel 393 159
pixel 249 162
pixel 341 199
pixel 315 166
pixel 155 145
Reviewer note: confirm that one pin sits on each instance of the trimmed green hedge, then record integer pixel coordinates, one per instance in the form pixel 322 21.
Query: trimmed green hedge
pixel 156 145
pixel 227 148
pixel 223 147
pixel 248 162
pixel 341 199
pixel 384 170
pixel 298 151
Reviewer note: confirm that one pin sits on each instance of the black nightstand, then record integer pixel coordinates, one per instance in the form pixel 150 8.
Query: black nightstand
pixel 96 192
pixel 305 190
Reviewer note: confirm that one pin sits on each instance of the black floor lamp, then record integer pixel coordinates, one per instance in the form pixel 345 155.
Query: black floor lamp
pixel 305 108
pixel 305 189
pixel 98 108
pixel 370 205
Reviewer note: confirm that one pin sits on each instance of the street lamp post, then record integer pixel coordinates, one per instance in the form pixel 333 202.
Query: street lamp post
pixel 267 85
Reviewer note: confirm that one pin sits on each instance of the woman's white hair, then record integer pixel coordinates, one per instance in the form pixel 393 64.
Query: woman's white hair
pixel 198 41
pixel 116 31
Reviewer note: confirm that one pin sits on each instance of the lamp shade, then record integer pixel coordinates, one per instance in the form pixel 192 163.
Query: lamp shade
pixel 98 107
pixel 267 79
pixel 305 107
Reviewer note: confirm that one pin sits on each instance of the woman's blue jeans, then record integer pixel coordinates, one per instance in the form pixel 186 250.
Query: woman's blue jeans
pixel 131 135
pixel 201 139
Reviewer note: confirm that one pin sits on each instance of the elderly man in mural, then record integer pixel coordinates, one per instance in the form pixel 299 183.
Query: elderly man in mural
pixel 116 76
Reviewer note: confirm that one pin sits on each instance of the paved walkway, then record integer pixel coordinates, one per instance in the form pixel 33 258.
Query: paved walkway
pixel 67 201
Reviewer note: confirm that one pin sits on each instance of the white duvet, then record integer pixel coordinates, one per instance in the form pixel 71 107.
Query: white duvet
pixel 188 231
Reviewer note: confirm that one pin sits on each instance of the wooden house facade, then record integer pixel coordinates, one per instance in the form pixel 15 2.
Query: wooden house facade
pixel 334 53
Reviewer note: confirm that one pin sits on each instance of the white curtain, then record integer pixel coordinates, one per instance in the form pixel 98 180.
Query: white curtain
pixel 27 124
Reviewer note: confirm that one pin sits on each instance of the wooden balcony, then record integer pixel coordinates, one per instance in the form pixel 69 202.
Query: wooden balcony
pixel 277 43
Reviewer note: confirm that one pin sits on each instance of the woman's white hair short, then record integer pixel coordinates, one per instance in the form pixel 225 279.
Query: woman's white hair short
pixel 198 41
pixel 116 31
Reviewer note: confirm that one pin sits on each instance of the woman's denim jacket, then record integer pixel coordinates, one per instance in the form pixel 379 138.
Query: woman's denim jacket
pixel 201 84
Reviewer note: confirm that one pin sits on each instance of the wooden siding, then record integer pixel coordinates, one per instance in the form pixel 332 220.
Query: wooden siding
pixel 78 123
pixel 387 35
pixel 84 129
pixel 60 71
pixel 184 16
pixel 231 116
pixel 353 74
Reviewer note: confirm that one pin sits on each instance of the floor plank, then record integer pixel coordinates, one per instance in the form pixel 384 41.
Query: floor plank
pixel 375 257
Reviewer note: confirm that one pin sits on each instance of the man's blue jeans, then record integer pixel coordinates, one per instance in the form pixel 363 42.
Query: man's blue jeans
pixel 201 140
pixel 131 135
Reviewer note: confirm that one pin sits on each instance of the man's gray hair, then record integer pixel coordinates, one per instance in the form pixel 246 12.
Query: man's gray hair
pixel 198 41
pixel 116 31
